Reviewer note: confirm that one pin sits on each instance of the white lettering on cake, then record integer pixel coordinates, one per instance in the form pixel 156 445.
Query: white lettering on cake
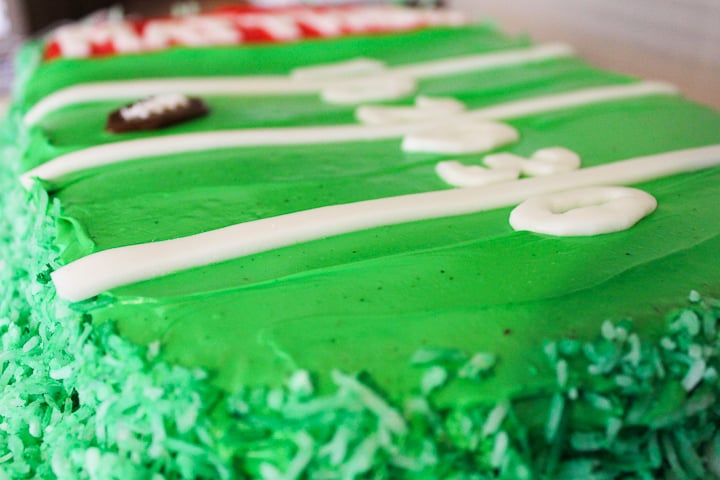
pixel 417 135
pixel 192 31
pixel 312 79
pixel 110 269
pixel 372 18
pixel 278 26
pixel 583 211
pixel 327 24
pixel 78 41
pixel 504 167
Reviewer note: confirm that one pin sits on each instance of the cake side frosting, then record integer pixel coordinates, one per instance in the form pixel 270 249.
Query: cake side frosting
pixel 460 283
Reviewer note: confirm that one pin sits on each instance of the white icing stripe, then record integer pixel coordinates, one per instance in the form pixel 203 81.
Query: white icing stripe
pixel 109 269
pixel 131 89
pixel 194 142
pixel 472 63
pixel 170 144
pixel 522 108
pixel 277 85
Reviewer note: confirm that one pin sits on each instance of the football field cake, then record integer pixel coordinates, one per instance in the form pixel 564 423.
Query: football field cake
pixel 352 242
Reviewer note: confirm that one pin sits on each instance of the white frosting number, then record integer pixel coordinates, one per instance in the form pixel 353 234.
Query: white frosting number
pixel 579 212
pixel 504 167
pixel 425 109
pixel 356 81
pixel 583 212
pixel 458 138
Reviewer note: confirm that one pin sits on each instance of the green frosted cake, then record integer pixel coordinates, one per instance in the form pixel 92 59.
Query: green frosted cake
pixel 353 242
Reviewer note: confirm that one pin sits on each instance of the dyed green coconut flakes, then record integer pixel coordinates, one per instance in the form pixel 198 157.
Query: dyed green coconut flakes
pixel 79 402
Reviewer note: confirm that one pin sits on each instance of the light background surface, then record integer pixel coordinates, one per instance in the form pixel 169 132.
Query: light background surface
pixel 673 40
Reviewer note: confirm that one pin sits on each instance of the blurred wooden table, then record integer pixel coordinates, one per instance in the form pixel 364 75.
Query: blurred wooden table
pixel 673 40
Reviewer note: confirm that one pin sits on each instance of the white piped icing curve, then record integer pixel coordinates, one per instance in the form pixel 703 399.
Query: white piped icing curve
pixel 583 211
pixel 305 81
pixel 456 174
pixel 504 167
pixel 369 89
pixel 109 269
pixel 169 144
pixel 426 108
pixel 459 138
pixel 546 161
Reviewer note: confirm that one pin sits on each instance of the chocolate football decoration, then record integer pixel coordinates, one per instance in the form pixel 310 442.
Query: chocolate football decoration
pixel 156 112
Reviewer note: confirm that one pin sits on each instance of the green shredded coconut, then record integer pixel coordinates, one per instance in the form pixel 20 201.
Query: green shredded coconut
pixel 434 378
pixel 479 365
pixel 495 419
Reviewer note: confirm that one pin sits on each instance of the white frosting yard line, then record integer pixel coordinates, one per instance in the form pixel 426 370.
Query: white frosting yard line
pixel 475 63
pixel 546 103
pixel 279 85
pixel 133 89
pixel 193 142
pixel 113 268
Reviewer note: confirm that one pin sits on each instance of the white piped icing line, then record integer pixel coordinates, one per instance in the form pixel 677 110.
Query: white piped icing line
pixel 118 152
pixel 158 104
pixel 426 108
pixel 456 174
pixel 193 142
pixel 459 138
pixel 110 269
pixel 545 103
pixel 583 211
pixel 307 80
pixel 480 62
